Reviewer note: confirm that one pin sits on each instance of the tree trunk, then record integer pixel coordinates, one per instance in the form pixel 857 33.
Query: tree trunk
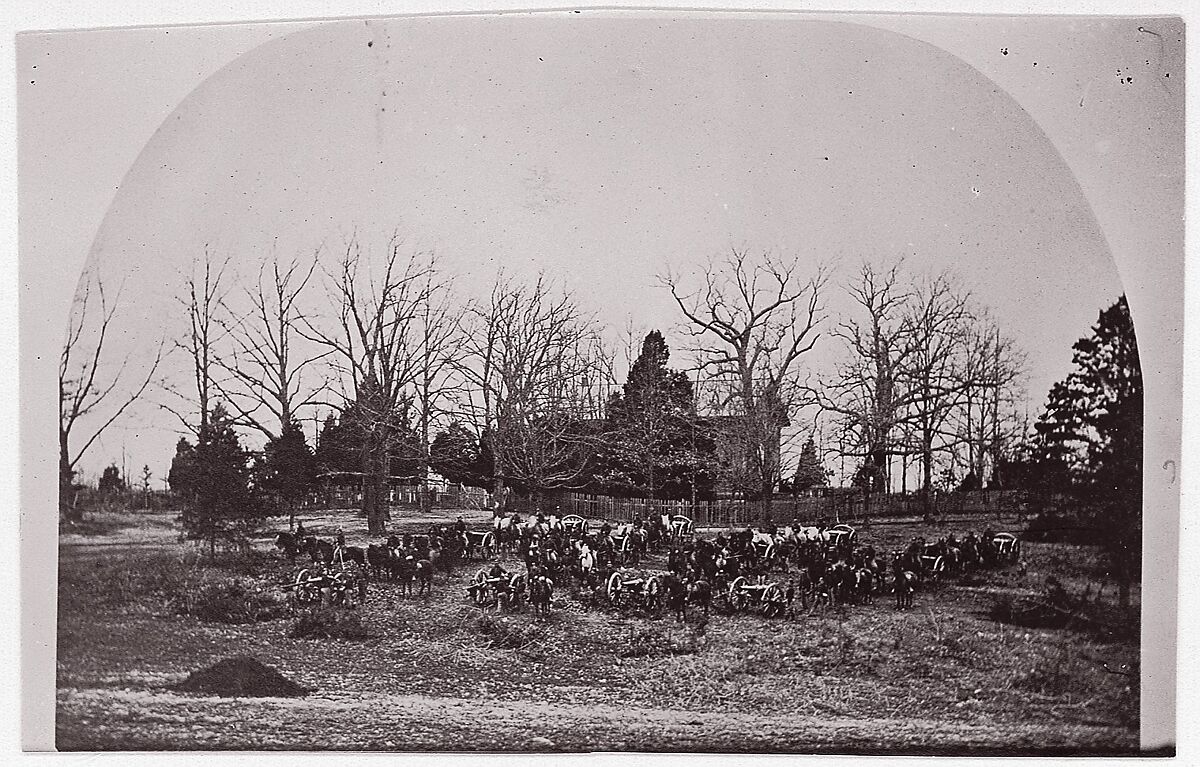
pixel 66 496
pixel 927 476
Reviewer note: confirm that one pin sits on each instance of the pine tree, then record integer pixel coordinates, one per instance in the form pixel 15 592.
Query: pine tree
pixel 182 477
pixel 287 471
pixel 111 482
pixel 223 504
pixel 651 434
pixel 1089 439
pixel 810 472
pixel 455 455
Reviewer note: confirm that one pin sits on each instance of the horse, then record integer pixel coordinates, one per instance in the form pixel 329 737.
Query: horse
pixel 378 560
pixel 318 550
pixel 676 596
pixel 355 554
pixel 541 589
pixel 700 593
pixel 423 573
pixel 904 583
pixel 802 586
pixel 864 585
pixel 288 543
pixel 586 562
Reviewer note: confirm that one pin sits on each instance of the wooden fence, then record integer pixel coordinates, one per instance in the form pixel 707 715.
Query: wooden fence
pixel 830 509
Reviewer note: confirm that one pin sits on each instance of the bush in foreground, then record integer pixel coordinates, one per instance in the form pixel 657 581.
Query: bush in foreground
pixel 329 623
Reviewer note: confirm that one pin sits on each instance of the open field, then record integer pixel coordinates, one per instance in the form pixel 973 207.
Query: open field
pixel 438 675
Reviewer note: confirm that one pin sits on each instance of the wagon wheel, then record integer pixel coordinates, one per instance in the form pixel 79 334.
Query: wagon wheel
pixel 939 567
pixel 488 545
pixel 737 600
pixel 613 587
pixel 772 600
pixel 652 595
pixel 516 585
pixel 769 556
pixel 306 592
pixel 481 586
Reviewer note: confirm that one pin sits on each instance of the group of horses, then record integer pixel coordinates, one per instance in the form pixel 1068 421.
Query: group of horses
pixel 821 566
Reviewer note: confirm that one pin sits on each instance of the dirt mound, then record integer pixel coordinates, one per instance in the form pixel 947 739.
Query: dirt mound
pixel 241 676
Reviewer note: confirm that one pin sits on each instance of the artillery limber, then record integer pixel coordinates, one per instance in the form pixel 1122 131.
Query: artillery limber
pixel 624 590
pixel 840 535
pixel 574 526
pixel 1007 547
pixel 769 597
pixel 504 589
pixel 932 561
pixel 482 542
pixel 318 585
pixel 683 530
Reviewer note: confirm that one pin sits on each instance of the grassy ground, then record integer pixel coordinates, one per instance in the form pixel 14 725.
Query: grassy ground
pixel 437 674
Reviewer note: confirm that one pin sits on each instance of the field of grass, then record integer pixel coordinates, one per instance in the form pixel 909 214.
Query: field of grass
pixel 437 674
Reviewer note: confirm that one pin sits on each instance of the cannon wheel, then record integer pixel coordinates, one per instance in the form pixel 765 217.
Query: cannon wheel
pixel 517 585
pixel 305 592
pixel 773 600
pixel 488 545
pixel 481 588
pixel 737 600
pixel 613 587
pixel 652 595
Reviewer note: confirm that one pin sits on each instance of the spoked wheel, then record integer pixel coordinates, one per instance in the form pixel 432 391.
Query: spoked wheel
pixel 737 600
pixel 488 546
pixel 306 592
pixel 516 586
pixel 613 587
pixel 481 586
pixel 773 600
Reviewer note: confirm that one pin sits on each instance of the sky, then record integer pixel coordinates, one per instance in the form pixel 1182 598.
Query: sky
pixel 603 150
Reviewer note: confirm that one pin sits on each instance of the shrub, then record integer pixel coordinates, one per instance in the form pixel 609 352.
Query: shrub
pixel 508 634
pixel 239 600
pixel 329 623
pixel 650 641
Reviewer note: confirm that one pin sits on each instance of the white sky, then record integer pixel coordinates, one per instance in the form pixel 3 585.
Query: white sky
pixel 602 150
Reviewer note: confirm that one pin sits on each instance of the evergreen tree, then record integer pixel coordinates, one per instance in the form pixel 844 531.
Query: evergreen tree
pixel 223 505
pixel 810 472
pixel 287 471
pixel 334 453
pixel 455 454
pixel 182 477
pixel 111 482
pixel 1089 439
pixel 652 445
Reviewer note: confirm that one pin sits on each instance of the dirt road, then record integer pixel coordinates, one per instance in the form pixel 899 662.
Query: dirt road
pixel 108 718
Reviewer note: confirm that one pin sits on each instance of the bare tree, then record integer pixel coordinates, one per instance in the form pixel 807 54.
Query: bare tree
pixel 374 344
pixel 939 319
pixel 204 293
pixel 867 394
pixel 752 319
pixel 533 365
pixel 988 421
pixel 263 381
pixel 85 393
pixel 439 354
